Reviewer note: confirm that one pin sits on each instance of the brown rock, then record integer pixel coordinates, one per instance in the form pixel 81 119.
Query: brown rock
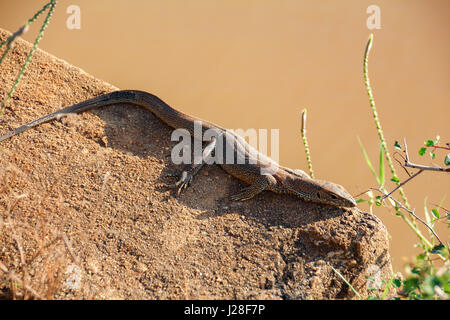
pixel 95 178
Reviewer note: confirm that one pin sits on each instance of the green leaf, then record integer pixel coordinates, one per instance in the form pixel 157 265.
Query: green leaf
pixel 435 213
pixel 395 179
pixel 420 257
pixel 411 284
pixel 378 201
pixel 422 151
pixel 433 155
pixel 397 283
pixel 429 143
pixel 397 145
pixel 415 270
pixel 427 288
pixel 382 175
pixel 446 287
pixel 447 160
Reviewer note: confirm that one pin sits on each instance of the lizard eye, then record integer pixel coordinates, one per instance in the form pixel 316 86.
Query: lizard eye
pixel 318 195
pixel 333 196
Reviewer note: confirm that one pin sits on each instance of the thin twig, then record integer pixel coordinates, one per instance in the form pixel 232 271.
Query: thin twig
pixel 441 147
pixel 360 194
pixel 445 216
pixel 410 211
pixel 403 183
pixel 440 207
pixel 419 166
pixel 401 163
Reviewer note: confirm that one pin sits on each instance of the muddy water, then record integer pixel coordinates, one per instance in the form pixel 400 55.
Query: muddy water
pixel 257 64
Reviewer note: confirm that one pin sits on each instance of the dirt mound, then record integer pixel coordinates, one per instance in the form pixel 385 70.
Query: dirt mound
pixel 83 214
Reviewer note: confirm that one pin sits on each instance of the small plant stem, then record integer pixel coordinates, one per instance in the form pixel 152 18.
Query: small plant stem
pixel 375 115
pixel 31 20
pixel 411 223
pixel 347 283
pixel 51 6
pixel 414 227
pixel 386 288
pixel 305 143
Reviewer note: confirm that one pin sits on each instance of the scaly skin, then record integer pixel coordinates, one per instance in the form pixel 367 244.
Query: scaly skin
pixel 259 171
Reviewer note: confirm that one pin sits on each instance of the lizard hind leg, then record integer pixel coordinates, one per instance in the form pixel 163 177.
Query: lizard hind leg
pixel 259 185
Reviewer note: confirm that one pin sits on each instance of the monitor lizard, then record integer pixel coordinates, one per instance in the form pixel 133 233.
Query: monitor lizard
pixel 282 180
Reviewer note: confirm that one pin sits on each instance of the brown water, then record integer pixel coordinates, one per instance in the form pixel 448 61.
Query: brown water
pixel 257 64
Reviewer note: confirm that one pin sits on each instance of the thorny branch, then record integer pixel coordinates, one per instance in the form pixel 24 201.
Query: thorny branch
pixel 400 205
pixel 416 166
pixel 403 183
pixel 419 166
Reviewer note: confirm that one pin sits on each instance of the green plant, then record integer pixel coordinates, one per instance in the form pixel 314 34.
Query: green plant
pixel 424 280
pixel 305 143
pixel 8 42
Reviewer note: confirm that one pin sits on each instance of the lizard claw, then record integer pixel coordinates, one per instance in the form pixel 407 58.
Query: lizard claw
pixel 183 182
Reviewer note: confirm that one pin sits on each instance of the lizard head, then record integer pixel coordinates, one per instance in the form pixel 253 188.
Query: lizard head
pixel 318 191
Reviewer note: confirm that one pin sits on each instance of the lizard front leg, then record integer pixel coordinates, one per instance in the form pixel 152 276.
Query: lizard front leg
pixel 186 176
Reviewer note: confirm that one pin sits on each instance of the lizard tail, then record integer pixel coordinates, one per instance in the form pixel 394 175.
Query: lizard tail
pixel 152 103
pixel 159 108
pixel 47 118
pixel 76 108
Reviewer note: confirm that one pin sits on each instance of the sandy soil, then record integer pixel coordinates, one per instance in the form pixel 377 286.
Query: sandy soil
pixel 84 215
